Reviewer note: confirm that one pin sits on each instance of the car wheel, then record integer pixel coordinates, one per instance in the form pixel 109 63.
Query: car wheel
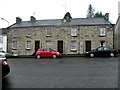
pixel 54 56
pixel 91 55
pixel 38 56
pixel 112 54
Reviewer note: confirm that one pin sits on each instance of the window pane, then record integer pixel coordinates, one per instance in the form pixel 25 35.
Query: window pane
pixel 14 44
pixel 29 32
pixel 48 32
pixel 73 45
pixel 48 44
pixel 102 31
pixel 73 32
pixel 15 33
pixel 28 45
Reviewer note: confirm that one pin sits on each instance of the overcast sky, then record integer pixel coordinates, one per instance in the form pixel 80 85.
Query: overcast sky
pixel 53 9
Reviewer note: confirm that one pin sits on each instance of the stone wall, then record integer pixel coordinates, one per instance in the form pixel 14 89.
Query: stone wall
pixel 84 33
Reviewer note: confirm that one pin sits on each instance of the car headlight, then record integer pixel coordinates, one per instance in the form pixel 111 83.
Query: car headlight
pixel 87 52
pixel 58 53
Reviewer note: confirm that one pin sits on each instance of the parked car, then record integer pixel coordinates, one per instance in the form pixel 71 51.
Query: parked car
pixel 47 53
pixel 102 51
pixel 4 64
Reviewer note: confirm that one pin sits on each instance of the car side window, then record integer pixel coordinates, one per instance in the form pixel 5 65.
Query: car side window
pixel 106 49
pixel 48 50
pixel 100 49
pixel 42 50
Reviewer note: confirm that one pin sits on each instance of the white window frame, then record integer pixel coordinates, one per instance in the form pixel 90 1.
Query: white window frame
pixel 73 47
pixel 73 32
pixel 14 44
pixel 48 44
pixel 28 45
pixel 48 32
pixel 102 32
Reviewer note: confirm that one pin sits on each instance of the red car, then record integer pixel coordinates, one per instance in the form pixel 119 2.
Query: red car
pixel 4 64
pixel 47 53
pixel 5 67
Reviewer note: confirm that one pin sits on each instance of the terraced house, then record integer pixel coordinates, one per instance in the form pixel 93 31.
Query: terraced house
pixel 67 35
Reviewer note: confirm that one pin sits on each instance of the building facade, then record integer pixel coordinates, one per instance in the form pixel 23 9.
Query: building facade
pixel 3 40
pixel 68 36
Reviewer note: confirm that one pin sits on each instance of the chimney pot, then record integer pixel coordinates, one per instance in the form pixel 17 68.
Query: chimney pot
pixel 107 16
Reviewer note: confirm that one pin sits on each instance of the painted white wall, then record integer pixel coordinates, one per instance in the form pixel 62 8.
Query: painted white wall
pixel 3 45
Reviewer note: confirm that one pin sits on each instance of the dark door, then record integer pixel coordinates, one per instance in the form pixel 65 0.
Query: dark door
pixel 60 47
pixel 37 45
pixel 88 46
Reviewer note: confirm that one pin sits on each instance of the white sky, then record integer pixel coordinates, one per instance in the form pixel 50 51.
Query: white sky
pixel 53 9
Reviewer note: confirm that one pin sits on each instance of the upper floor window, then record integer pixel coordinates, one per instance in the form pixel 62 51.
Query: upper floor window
pixel 1 39
pixel 48 32
pixel 15 33
pixel 73 32
pixel 48 44
pixel 28 45
pixel 73 45
pixel 29 33
pixel 102 32
pixel 14 44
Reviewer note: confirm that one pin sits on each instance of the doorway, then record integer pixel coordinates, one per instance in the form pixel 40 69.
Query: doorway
pixel 60 47
pixel 37 45
pixel 88 46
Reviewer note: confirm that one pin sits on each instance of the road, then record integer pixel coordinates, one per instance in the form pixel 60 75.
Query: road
pixel 66 72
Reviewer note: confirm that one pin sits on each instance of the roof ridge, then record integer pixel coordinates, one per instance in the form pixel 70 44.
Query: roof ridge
pixel 62 19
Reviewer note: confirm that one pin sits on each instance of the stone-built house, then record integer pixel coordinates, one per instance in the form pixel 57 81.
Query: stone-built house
pixel 68 36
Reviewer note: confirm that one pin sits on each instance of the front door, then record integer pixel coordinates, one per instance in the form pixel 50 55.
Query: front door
pixel 88 46
pixel 37 45
pixel 60 47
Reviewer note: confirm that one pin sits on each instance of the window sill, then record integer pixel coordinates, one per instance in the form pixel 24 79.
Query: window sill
pixel 48 35
pixel 28 35
pixel 28 48
pixel 73 50
pixel 14 48
pixel 73 36
pixel 15 36
pixel 102 35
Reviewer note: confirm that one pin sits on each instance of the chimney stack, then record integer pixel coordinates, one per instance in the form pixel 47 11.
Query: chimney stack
pixel 18 20
pixel 32 19
pixel 107 16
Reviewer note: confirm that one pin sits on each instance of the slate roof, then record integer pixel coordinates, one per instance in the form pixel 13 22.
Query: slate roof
pixel 59 22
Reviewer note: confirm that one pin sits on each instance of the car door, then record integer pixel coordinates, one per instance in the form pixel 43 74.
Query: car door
pixel 47 53
pixel 42 53
pixel 106 51
pixel 100 51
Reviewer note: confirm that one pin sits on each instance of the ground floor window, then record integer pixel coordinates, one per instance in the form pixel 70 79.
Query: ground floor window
pixel 14 44
pixel 73 45
pixel 48 44
pixel 28 45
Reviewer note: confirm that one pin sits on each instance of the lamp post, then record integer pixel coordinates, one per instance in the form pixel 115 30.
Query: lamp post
pixel 5 20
